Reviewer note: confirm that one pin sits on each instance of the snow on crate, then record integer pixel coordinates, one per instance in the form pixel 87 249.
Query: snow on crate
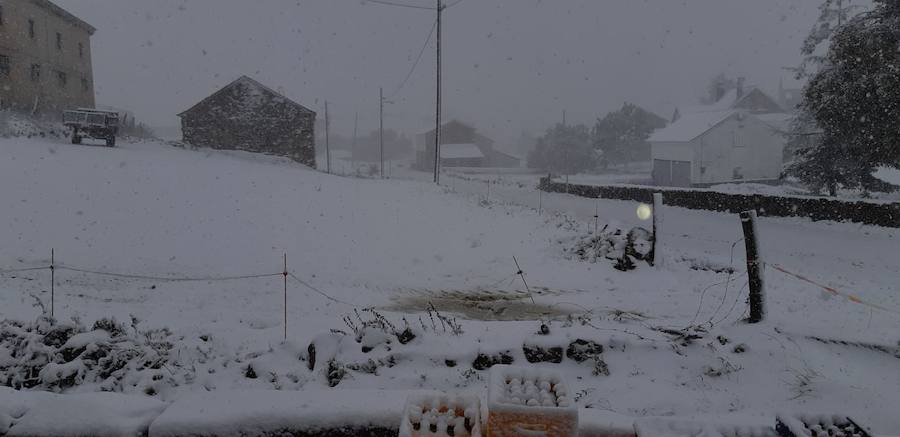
pixel 818 425
pixel 523 401
pixel 441 415
pixel 665 427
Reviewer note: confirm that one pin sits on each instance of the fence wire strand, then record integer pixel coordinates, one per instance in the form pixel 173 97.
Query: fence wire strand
pixel 325 295
pixel 165 278
pixel 27 269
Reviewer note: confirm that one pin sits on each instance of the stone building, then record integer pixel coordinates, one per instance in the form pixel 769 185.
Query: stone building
pixel 246 115
pixel 45 58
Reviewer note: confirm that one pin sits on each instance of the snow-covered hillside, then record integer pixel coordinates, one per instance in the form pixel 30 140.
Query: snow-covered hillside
pixel 148 209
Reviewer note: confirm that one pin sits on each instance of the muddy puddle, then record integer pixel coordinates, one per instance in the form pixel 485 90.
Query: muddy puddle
pixel 500 305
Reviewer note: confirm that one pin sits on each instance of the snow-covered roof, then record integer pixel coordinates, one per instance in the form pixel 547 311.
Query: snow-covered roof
pixel 778 121
pixel 460 151
pixel 888 174
pixel 690 126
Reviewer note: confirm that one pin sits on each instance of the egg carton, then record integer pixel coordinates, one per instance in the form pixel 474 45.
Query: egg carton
pixel 818 426
pixel 525 401
pixel 441 415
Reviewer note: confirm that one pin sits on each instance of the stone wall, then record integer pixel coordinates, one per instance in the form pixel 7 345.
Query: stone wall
pixel 815 208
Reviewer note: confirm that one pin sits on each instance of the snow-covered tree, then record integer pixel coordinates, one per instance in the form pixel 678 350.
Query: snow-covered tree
pixel 854 101
pixel 563 149
pixel 622 135
pixel 832 15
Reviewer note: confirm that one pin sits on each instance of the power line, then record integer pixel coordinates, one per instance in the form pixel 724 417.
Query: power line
pixel 405 5
pixel 416 63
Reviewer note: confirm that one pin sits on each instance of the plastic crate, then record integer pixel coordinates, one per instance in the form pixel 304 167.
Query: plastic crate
pixel 530 402
pixel 439 414
pixel 818 425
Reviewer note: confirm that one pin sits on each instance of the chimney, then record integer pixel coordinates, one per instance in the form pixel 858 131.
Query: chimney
pixel 740 87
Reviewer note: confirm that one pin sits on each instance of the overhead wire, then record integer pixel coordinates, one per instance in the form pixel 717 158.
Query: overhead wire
pixel 416 63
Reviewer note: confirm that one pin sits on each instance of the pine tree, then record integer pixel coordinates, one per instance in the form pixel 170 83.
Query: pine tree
pixel 854 100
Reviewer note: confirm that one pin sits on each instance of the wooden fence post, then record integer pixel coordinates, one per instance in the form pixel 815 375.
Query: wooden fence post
pixel 656 257
pixel 52 283
pixel 754 267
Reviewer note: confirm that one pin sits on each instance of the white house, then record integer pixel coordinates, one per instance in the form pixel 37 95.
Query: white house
pixel 739 138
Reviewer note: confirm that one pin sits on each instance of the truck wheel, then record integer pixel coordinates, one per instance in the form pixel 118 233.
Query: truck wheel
pixel 111 141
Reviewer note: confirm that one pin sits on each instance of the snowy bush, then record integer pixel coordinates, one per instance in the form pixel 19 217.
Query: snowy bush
pixel 622 248
pixel 53 356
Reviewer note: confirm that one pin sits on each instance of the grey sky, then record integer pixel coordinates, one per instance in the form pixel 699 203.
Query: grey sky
pixel 509 64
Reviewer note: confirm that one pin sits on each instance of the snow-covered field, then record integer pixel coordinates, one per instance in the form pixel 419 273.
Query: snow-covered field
pixel 152 210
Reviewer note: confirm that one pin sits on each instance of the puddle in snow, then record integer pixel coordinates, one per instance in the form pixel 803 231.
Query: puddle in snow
pixel 482 304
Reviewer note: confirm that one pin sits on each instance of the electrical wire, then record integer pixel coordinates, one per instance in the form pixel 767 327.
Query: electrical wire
pixel 405 5
pixel 416 63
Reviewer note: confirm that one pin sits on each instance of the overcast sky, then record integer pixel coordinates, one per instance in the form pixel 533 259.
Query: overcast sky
pixel 510 65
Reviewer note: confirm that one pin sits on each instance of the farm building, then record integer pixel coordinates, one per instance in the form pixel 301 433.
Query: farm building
pixel 738 138
pixel 461 146
pixel 246 115
pixel 45 58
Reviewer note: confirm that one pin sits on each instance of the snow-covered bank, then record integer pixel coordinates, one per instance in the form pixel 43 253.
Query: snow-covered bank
pixel 154 210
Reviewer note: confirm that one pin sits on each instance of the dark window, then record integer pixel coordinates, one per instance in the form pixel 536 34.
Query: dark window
pixel 31 29
pixel 738 173
pixel 35 72
pixel 80 50
pixel 4 65
pixel 58 41
pixel 1 15
pixel 62 78
pixel 85 86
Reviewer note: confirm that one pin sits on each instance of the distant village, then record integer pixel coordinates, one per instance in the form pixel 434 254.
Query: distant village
pixel 737 135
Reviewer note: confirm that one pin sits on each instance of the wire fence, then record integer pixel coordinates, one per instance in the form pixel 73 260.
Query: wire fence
pixel 53 267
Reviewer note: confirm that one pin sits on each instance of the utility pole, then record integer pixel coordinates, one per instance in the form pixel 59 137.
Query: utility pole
pixel 437 127
pixel 353 149
pixel 327 147
pixel 564 117
pixel 381 126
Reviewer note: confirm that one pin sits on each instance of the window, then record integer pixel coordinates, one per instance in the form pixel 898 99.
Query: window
pixel 85 85
pixel 1 15
pixel 738 173
pixel 35 72
pixel 80 50
pixel 58 41
pixel 31 29
pixel 4 65
pixel 62 78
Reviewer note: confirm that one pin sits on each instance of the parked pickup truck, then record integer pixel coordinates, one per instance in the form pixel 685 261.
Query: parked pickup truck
pixel 92 123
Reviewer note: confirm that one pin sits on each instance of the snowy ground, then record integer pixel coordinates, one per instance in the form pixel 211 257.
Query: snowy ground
pixel 154 210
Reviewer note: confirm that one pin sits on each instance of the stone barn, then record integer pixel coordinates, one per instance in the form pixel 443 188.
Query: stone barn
pixel 247 115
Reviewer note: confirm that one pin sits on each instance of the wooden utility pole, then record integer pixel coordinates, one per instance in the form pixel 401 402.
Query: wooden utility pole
pixel 754 267
pixel 327 147
pixel 353 149
pixel 381 126
pixel 437 127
